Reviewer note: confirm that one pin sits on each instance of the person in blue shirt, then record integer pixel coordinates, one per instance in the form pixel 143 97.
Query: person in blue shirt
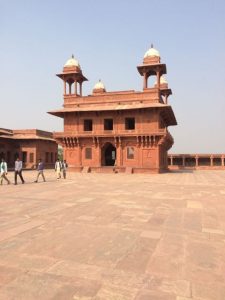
pixel 40 169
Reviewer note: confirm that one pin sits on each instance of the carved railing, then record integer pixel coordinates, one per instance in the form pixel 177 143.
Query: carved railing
pixel 109 133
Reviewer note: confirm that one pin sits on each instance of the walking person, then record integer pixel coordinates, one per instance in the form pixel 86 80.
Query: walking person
pixel 3 172
pixel 64 168
pixel 58 167
pixel 18 170
pixel 40 169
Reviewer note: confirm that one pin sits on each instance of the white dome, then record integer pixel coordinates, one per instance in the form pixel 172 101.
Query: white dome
pixel 72 62
pixel 99 85
pixel 151 52
pixel 162 80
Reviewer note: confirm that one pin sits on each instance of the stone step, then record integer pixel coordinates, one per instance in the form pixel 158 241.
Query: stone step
pixel 129 170
pixel 86 169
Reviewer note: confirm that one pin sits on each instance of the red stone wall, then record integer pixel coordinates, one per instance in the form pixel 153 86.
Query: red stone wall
pixel 7 150
pixel 29 151
pixel 47 151
pixel 148 121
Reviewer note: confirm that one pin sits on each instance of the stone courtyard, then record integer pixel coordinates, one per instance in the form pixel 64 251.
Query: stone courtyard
pixel 114 237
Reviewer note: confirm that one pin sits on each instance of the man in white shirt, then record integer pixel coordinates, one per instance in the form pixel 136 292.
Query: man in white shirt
pixel 3 172
pixel 18 170
pixel 58 168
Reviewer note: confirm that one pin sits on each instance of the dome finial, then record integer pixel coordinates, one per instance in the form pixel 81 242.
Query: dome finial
pixel 72 62
pixel 99 86
pixel 152 52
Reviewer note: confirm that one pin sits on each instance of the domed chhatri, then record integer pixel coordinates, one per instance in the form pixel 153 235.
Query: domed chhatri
pixel 151 56
pixel 99 87
pixel 72 64
pixel 72 76
pixel 152 66
pixel 152 52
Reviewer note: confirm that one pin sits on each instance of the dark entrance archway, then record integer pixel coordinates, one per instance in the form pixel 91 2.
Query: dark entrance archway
pixel 108 155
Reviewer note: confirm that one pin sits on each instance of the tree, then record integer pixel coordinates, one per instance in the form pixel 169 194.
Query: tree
pixel 60 153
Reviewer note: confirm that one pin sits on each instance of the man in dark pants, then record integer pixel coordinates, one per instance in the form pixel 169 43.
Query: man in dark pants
pixel 18 170
pixel 64 167
pixel 40 169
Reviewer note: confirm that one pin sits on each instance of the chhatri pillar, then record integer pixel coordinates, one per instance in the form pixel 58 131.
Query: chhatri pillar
pixel 71 75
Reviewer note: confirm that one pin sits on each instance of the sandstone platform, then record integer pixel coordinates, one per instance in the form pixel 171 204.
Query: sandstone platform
pixel 114 237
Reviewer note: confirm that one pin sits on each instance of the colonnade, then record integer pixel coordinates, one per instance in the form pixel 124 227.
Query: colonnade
pixel 196 160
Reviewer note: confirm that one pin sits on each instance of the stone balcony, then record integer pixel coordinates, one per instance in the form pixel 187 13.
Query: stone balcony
pixel 110 133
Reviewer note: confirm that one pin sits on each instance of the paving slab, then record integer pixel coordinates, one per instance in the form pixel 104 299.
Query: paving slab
pixel 113 236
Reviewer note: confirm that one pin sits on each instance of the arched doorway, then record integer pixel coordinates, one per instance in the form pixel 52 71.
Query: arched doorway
pixel 108 155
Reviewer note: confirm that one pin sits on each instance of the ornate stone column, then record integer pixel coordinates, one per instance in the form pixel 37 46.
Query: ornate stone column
pixel 99 156
pixel 75 87
pixel 158 79
pixel 211 160
pixel 99 152
pixel 183 161
pixel 145 86
pixel 79 153
pixel 64 87
pixel 196 160
pixel 120 153
pixel 166 99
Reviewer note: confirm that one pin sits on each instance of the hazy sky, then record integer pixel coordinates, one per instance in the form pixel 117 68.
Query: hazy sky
pixel 109 39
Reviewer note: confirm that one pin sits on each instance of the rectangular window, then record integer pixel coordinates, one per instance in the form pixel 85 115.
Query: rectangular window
pixel 51 157
pixel 24 156
pixel 87 125
pixel 31 157
pixel 46 157
pixel 129 123
pixel 130 152
pixel 108 124
pixel 88 153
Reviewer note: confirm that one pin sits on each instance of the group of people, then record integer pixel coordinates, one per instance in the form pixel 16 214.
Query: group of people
pixel 60 166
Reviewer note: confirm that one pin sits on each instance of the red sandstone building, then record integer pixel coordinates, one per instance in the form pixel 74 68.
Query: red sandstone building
pixel 29 145
pixel 126 131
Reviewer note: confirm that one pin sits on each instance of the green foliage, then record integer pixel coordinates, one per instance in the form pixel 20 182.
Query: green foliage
pixel 60 153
